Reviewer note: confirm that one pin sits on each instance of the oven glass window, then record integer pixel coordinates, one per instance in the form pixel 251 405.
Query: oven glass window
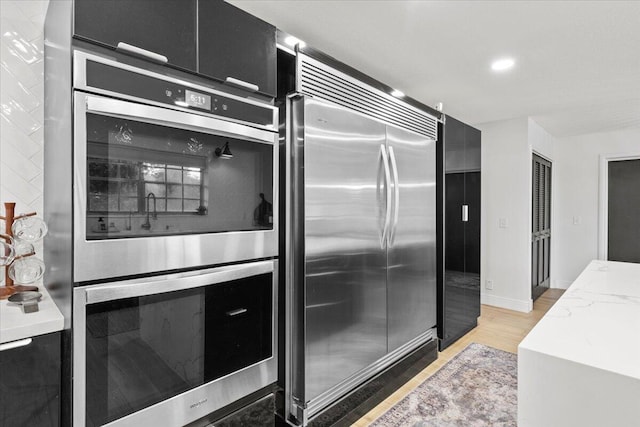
pixel 145 179
pixel 141 351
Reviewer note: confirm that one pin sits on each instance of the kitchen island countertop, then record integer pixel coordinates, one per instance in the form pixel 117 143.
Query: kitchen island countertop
pixel 580 365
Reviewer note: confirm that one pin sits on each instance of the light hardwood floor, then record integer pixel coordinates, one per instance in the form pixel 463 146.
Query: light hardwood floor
pixel 497 327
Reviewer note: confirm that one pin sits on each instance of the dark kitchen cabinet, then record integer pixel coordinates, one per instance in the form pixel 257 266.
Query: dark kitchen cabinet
pixel 460 293
pixel 234 45
pixel 238 324
pixel 30 382
pixel 165 27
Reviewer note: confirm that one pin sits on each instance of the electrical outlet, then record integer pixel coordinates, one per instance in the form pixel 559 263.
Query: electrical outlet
pixel 488 284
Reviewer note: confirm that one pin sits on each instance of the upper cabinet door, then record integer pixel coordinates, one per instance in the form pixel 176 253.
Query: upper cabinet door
pixel 164 27
pixel 236 47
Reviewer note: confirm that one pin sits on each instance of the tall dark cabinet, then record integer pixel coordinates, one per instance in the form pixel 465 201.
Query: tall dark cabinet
pixel 459 295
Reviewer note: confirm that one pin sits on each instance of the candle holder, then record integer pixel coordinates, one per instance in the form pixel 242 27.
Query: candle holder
pixel 17 255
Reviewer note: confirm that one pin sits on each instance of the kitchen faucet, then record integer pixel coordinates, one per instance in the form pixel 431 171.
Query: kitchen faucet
pixel 147 224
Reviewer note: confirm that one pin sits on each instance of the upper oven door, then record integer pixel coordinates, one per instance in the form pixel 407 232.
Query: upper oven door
pixel 157 189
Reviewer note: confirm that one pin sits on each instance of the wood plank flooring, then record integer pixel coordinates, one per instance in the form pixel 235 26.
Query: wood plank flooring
pixel 497 327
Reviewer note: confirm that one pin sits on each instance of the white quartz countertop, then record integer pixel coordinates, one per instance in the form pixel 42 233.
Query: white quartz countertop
pixel 16 325
pixel 596 322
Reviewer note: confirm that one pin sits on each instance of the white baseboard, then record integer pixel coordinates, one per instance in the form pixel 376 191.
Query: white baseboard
pixel 524 306
pixel 561 284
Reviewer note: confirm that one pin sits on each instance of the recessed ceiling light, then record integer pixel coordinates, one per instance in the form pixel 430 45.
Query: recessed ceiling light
pixel 292 41
pixel 503 64
pixel 397 93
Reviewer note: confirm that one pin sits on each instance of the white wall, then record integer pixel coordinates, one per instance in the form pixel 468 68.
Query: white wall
pixel 506 165
pixel 576 187
pixel 507 147
pixel 21 103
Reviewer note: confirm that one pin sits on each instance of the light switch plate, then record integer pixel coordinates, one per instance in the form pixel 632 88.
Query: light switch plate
pixel 502 222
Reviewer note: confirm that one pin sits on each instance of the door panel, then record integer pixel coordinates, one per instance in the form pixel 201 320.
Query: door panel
pixel 624 211
pixel 540 226
pixel 346 324
pixel 454 237
pixel 411 289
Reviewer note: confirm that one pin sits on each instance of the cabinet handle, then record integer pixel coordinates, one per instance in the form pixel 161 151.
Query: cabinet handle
pixel 135 50
pixel 236 312
pixel 241 83
pixel 15 344
pixel 465 213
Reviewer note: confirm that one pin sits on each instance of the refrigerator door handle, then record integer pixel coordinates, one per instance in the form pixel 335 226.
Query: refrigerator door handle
pixel 387 185
pixel 465 213
pixel 396 196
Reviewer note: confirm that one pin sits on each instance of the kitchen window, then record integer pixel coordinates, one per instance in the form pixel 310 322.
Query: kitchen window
pixel 123 186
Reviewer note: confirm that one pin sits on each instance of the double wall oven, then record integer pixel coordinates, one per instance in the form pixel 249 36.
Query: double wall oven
pixel 175 245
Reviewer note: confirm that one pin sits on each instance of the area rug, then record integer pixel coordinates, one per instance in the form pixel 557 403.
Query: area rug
pixel 478 387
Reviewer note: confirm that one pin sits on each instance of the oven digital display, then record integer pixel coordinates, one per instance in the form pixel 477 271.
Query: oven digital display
pixel 198 100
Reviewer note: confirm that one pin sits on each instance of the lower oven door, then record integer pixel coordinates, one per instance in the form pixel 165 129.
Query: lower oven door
pixel 171 349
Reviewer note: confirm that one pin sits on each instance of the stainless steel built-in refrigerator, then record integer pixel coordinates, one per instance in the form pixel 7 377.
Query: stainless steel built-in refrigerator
pixel 361 246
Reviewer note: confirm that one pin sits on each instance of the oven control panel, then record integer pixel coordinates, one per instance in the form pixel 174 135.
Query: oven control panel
pixel 146 87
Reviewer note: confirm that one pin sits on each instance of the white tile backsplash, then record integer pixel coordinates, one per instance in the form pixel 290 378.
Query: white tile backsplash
pixel 28 76
pixel 26 144
pixel 21 103
pixel 12 88
pixel 28 170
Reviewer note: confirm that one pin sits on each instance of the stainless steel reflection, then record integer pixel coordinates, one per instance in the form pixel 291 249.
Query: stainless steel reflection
pixel 197 402
pixel 173 118
pixel 173 282
pixel 383 201
pixel 411 294
pixel 100 259
pixel 361 280
pixel 345 274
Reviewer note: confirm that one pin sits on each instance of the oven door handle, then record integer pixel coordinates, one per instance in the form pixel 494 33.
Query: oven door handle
pixel 174 118
pixel 174 282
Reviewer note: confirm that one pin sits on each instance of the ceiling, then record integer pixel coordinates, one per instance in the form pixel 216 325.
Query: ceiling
pixel 577 62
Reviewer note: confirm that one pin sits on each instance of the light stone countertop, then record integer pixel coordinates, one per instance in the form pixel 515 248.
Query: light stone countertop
pixel 580 365
pixel 16 325
pixel 597 320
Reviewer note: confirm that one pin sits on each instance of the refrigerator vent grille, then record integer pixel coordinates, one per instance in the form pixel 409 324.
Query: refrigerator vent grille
pixel 319 80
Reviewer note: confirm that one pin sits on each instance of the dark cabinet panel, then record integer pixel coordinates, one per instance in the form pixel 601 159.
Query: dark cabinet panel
pixel 454 199
pixel 460 293
pixel 165 27
pixel 472 226
pixel 238 324
pixel 30 383
pixel 234 44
